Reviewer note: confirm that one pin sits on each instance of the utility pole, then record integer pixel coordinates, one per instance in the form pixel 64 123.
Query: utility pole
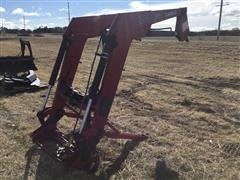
pixel 24 24
pixel 2 30
pixel 219 21
pixel 68 12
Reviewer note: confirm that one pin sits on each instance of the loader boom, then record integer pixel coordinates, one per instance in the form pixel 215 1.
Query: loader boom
pixel 117 32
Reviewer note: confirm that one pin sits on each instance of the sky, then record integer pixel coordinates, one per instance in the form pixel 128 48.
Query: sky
pixel 202 14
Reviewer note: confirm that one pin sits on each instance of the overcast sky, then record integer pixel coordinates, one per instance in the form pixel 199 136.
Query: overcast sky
pixel 202 14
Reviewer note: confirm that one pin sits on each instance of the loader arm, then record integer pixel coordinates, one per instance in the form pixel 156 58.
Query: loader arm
pixel 126 27
pixel 117 32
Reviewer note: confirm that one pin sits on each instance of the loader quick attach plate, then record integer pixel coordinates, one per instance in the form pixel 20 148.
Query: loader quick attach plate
pixel 16 64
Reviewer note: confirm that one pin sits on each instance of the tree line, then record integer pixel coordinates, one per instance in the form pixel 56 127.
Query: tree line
pixel 155 32
pixel 233 32
pixel 45 29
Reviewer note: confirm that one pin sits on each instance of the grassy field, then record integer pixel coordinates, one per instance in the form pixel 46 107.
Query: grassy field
pixel 184 96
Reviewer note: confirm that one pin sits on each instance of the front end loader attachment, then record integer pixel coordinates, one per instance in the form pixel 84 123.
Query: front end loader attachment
pixel 90 109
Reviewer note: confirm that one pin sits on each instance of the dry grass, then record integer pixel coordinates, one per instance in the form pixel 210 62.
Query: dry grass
pixel 184 96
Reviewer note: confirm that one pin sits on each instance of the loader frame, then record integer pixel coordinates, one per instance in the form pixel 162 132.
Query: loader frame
pixel 117 32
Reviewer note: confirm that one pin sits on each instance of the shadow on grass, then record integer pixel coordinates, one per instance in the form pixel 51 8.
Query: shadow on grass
pixel 116 166
pixel 13 92
pixel 48 169
pixel 162 172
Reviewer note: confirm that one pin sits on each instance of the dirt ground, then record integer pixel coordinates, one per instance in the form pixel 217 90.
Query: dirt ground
pixel 184 96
